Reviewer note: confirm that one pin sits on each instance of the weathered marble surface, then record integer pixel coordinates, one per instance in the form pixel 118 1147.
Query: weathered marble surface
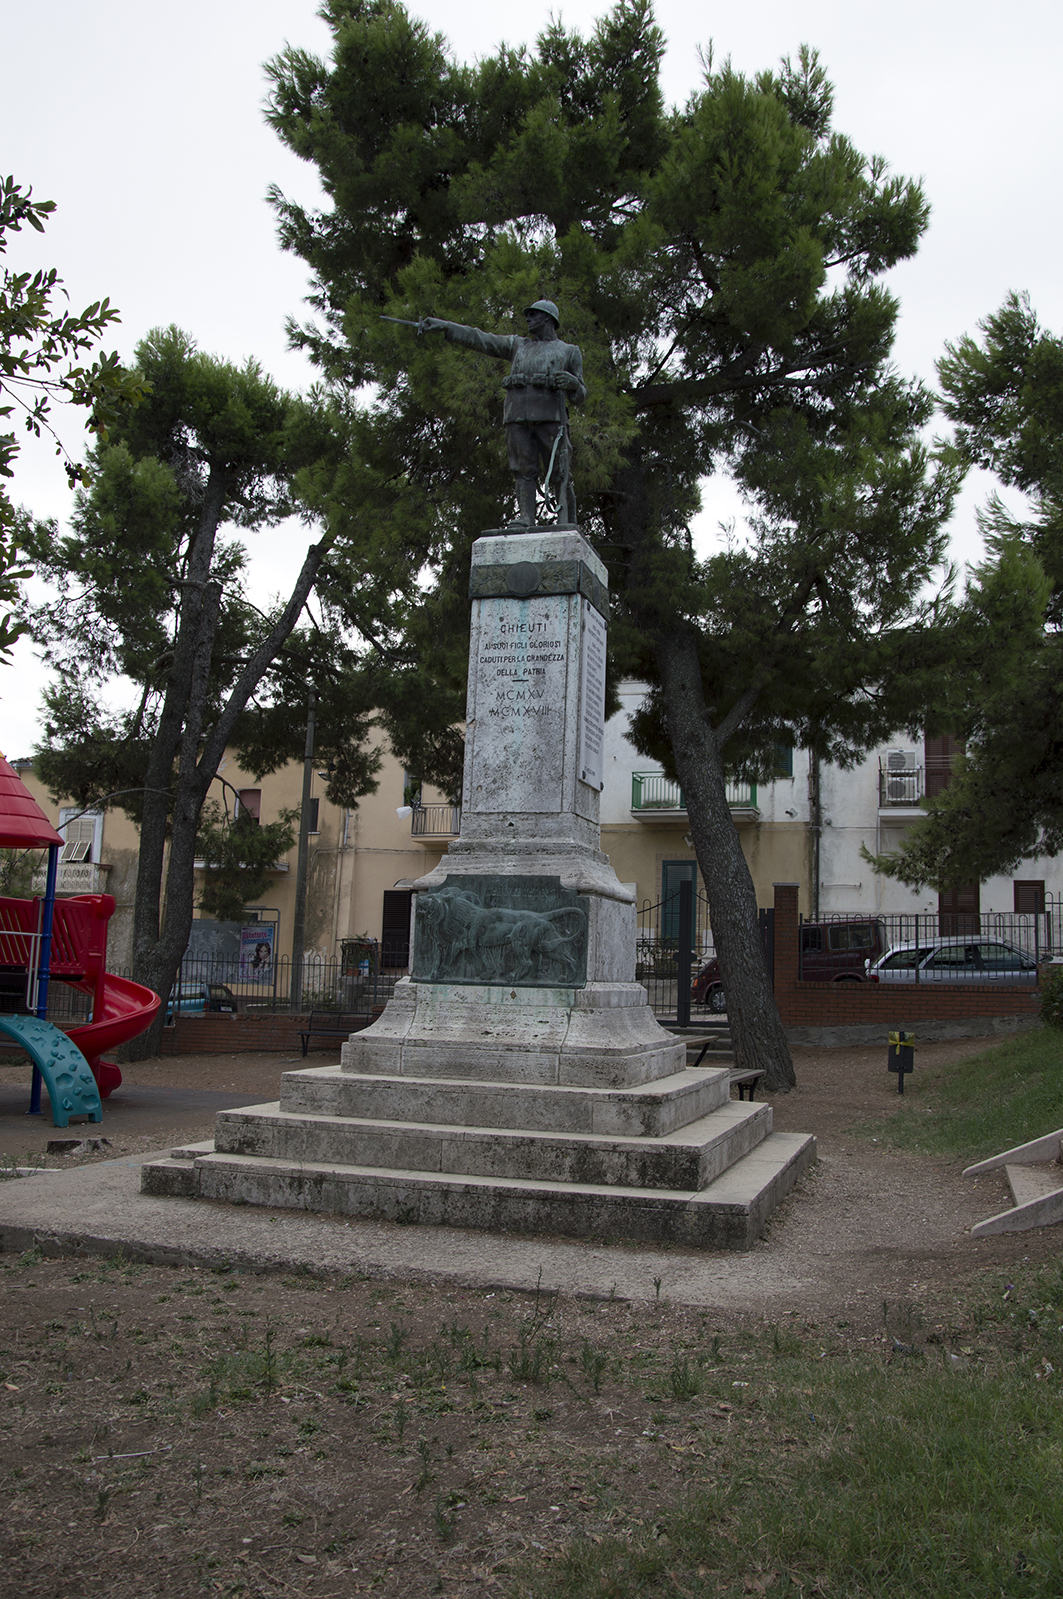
pixel 501 928
pixel 556 1001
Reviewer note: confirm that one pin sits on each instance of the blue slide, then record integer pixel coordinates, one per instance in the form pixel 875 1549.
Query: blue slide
pixel 71 1085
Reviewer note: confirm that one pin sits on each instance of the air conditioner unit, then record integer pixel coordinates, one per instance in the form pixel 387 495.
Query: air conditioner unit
pixel 898 788
pixel 900 761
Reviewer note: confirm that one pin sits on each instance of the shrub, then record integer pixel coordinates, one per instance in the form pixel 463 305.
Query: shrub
pixel 1052 996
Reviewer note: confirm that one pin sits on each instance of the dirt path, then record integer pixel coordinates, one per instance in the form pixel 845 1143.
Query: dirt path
pixel 867 1223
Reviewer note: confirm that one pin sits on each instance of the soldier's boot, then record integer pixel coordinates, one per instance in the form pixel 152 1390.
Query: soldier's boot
pixel 525 517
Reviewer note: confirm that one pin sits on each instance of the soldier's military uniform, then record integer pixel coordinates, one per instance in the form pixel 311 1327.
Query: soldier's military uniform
pixel 543 374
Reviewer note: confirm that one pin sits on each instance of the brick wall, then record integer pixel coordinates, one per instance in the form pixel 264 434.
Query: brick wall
pixel 228 1035
pixel 888 1005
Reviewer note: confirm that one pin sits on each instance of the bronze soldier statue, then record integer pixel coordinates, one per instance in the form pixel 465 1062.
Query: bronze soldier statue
pixel 544 373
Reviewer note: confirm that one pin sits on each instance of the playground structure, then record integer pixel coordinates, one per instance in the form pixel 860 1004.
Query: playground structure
pixel 66 939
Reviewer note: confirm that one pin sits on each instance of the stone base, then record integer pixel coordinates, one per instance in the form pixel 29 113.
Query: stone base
pixel 600 1036
pixel 730 1214
pixel 672 1158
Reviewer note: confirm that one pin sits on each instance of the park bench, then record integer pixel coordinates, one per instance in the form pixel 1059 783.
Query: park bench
pixel 746 1080
pixel 330 1024
pixel 699 1047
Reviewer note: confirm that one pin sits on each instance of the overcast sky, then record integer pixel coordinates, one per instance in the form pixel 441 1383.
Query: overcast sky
pixel 143 122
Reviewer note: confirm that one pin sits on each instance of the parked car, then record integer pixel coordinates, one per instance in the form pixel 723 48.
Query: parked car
pixel 954 960
pixel 831 952
pixel 194 999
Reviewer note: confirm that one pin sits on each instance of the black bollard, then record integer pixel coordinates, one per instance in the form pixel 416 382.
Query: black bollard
pixel 900 1057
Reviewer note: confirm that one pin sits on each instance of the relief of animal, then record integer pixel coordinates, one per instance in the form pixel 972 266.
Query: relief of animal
pixel 456 932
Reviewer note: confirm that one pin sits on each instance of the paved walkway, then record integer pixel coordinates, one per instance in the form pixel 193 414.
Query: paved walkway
pixel 861 1224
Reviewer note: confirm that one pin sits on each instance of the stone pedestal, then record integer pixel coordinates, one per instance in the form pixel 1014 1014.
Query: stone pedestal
pixel 523 960
pixel 518 1078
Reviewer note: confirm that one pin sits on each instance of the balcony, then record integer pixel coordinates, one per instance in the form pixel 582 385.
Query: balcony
pixel 435 821
pixel 900 787
pixel 655 798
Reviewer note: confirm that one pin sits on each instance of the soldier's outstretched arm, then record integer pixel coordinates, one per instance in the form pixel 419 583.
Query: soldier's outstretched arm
pixel 499 344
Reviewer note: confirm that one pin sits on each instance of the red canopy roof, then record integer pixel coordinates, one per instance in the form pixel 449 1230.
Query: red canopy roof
pixel 23 825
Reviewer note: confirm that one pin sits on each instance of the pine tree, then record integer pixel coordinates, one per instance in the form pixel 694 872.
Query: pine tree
pixel 717 265
pixel 1002 697
pixel 149 589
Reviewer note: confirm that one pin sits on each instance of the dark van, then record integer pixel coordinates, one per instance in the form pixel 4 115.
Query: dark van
pixel 830 952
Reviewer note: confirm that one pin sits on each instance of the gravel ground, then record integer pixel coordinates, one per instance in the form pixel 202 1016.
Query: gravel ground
pixel 867 1222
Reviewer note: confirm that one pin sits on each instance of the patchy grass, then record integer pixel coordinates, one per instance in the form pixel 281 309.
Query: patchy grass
pixel 929 1471
pixel 979 1106
pixel 179 1432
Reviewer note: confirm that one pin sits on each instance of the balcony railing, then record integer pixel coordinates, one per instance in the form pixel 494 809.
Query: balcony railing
pixel 435 821
pixel 900 786
pixel 653 791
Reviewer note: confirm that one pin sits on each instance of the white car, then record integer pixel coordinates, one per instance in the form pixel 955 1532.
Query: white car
pixel 973 959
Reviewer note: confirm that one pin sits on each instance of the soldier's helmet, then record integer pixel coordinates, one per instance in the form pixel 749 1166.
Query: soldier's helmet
pixel 549 307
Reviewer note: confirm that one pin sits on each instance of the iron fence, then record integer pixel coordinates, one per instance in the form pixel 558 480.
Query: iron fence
pixel 841 944
pixel 345 985
pixel 673 940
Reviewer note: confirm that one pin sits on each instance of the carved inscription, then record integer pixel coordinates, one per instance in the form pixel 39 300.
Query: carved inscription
pixel 521 666
pixel 592 698
pixel 527 931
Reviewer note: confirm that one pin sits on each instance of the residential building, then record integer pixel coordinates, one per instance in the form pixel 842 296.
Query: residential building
pixel 807 826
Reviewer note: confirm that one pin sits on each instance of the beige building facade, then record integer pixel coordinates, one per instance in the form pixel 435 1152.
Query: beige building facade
pixel 362 860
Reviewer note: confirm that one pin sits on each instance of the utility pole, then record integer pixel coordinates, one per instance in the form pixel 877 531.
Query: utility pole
pixel 299 918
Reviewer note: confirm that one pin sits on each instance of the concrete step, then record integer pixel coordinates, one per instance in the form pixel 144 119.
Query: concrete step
pixel 690 1158
pixel 652 1110
pixel 1029 1182
pixel 728 1214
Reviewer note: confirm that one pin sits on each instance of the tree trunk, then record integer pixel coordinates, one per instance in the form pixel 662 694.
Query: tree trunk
pixel 756 1028
pixel 160 961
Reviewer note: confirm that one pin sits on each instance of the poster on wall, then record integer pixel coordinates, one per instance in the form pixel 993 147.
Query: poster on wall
pixel 256 952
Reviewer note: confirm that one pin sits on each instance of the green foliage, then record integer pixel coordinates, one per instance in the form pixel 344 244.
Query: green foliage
pixel 17 870
pixel 42 361
pixel 149 587
pixel 1052 996
pixel 238 857
pixel 716 266
pixel 1001 693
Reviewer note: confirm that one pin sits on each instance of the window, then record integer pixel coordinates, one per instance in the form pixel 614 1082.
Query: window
pixel 1029 896
pixel 938 756
pixel 958 910
pixel 82 833
pixel 411 789
pixel 811 939
pixel 249 803
pixel 1004 958
pixel 672 874
pixel 852 935
pixel 903 960
pixel 315 806
pixel 783 763
pixel 954 957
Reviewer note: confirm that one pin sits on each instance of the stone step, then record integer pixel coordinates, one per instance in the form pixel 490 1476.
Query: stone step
pixel 652 1110
pixel 728 1214
pixel 1029 1182
pixel 688 1159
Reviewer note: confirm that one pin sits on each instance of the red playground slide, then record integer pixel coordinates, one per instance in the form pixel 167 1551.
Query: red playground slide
pixel 120 1009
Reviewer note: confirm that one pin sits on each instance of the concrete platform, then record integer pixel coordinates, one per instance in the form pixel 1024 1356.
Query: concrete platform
pixel 669 1159
pixel 689 1158
pixel 729 1214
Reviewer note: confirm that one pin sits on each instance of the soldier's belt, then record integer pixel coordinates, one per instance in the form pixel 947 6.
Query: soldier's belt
pixel 547 382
